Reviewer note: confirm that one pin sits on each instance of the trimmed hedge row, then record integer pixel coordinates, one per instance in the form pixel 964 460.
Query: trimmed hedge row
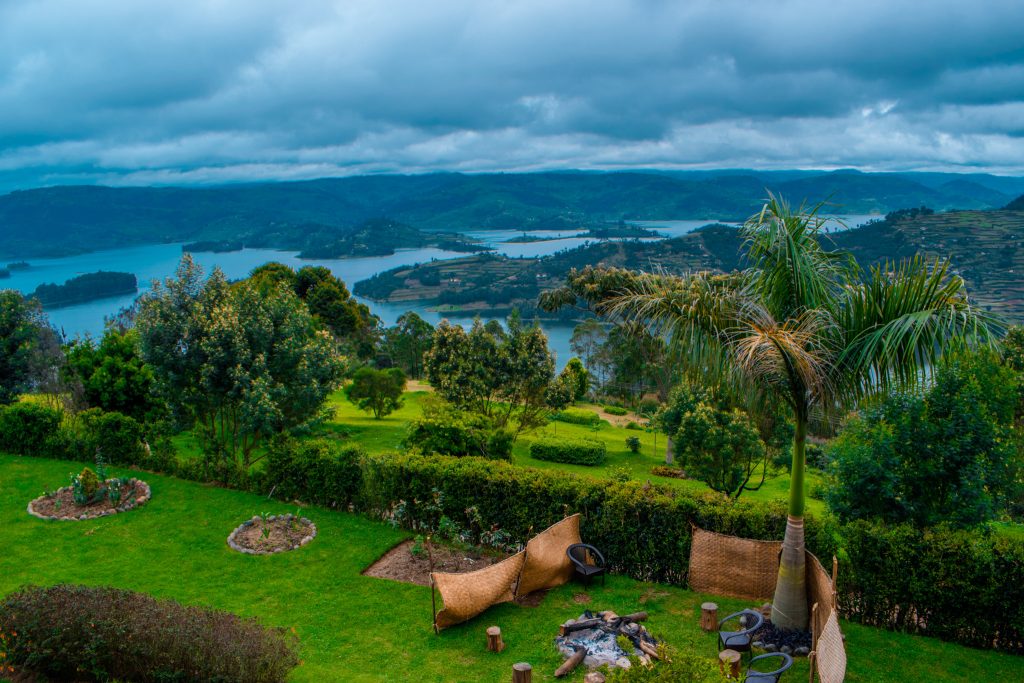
pixel 963 586
pixel 578 416
pixel 643 532
pixel 76 633
pixel 573 451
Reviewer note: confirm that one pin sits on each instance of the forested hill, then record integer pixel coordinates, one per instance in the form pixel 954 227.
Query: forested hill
pixel 1016 205
pixel 64 220
pixel 985 247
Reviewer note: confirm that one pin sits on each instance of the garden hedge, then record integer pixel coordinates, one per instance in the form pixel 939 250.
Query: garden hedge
pixel 573 451
pixel 578 416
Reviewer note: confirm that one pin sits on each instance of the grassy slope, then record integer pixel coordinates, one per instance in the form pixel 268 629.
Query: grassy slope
pixel 357 628
pixel 386 435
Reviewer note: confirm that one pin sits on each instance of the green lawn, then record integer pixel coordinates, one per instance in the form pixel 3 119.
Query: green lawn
pixel 355 628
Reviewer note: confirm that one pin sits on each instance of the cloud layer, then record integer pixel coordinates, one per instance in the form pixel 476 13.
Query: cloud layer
pixel 225 90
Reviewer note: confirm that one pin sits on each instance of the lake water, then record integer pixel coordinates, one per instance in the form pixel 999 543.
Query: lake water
pixel 158 261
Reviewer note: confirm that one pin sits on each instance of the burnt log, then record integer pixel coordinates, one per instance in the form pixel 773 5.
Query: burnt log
pixel 572 662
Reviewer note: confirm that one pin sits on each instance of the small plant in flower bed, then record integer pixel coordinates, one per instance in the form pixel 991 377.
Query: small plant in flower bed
pixel 91 494
pixel 266 534
pixel 96 633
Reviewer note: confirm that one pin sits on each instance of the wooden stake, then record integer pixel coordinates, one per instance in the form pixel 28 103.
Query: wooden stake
pixel 571 663
pixel 709 616
pixel 729 659
pixel 433 599
pixel 494 641
pixel 522 673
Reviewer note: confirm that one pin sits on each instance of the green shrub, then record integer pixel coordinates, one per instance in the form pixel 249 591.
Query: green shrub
pixel 27 428
pixel 673 667
pixel 633 444
pixel 615 410
pixel 75 633
pixel 316 471
pixel 85 485
pixel 574 451
pixel 446 430
pixel 668 471
pixel 634 426
pixel 959 585
pixel 578 416
pixel 118 437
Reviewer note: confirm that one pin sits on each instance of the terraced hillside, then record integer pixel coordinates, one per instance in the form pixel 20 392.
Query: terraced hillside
pixel 984 246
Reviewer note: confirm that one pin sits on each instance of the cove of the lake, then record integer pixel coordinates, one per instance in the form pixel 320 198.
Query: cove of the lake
pixel 158 261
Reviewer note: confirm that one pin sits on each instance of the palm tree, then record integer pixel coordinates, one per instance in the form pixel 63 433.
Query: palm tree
pixel 801 324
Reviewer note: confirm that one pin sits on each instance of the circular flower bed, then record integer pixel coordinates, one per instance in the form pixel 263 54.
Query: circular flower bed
pixel 61 505
pixel 272 534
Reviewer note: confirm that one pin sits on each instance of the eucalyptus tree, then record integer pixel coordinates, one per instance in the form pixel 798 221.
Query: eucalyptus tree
pixel 803 325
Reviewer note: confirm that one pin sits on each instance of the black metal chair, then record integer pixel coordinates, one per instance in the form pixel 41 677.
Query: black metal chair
pixel 582 557
pixel 740 640
pixel 768 676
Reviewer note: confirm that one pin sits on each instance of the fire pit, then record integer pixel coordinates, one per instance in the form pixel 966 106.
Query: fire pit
pixel 599 638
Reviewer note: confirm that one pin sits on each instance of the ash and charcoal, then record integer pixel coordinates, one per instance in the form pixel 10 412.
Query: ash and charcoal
pixel 600 640
pixel 771 638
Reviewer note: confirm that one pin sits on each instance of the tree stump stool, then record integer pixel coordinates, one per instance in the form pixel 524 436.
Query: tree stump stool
pixel 522 673
pixel 494 641
pixel 709 616
pixel 729 663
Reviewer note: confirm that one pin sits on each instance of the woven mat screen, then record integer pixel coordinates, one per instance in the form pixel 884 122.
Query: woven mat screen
pixel 820 591
pixel 467 595
pixel 830 657
pixel 733 566
pixel 547 564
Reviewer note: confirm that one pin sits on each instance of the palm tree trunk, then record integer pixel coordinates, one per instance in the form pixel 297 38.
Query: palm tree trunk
pixel 789 608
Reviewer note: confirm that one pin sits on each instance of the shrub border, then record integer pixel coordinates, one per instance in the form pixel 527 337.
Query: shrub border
pixel 130 504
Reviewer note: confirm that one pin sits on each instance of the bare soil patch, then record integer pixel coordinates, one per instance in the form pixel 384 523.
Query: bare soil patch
pixel 61 505
pixel 401 564
pixel 617 420
pixel 276 534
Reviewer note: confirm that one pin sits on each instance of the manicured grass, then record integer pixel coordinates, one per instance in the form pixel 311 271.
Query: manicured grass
pixel 356 628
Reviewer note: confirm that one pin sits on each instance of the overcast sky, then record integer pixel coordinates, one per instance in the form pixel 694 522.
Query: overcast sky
pixel 200 91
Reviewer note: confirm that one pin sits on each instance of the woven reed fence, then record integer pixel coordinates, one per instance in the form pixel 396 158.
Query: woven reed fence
pixel 746 568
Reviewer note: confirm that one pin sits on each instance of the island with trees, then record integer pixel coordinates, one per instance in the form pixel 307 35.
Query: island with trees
pixel 88 287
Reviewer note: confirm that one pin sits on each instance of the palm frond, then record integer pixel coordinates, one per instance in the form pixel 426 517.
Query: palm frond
pixel 897 323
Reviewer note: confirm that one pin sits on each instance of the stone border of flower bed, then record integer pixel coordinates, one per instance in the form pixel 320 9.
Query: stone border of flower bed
pixel 272 518
pixel 130 504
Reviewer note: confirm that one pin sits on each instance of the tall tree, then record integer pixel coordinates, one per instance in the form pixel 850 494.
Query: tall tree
pixel 22 327
pixel 407 342
pixel 243 361
pixel 802 325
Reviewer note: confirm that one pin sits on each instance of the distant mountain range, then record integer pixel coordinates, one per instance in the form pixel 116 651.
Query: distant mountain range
pixel 75 219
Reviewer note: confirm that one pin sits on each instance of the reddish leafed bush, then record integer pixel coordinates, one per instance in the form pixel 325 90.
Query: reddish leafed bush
pixel 84 633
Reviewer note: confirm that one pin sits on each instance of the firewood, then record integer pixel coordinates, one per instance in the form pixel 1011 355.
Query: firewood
pixel 494 641
pixel 522 673
pixel 649 650
pixel 591 623
pixel 571 663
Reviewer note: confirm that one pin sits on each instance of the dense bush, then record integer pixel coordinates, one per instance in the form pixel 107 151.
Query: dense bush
pixel 316 471
pixel 615 410
pixel 446 430
pixel 96 633
pixel 27 428
pixel 117 437
pixel 578 416
pixel 964 586
pixel 643 531
pixel 946 455
pixel 573 451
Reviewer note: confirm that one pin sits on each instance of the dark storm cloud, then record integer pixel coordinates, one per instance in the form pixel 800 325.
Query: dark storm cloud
pixel 220 90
